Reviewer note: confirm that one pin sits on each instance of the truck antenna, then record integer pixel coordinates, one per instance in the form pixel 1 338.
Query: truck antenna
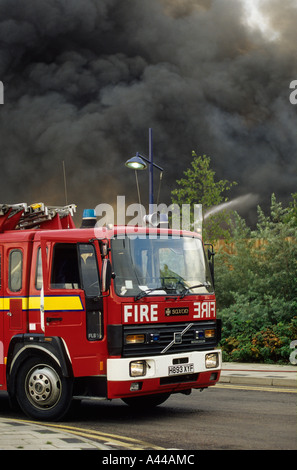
pixel 65 185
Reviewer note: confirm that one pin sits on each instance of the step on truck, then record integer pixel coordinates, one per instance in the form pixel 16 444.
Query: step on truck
pixel 102 311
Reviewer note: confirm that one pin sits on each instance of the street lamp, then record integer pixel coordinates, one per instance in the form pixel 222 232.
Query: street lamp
pixel 136 163
pixel 139 163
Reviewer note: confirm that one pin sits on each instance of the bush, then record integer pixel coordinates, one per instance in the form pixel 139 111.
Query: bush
pixel 269 345
pixel 256 288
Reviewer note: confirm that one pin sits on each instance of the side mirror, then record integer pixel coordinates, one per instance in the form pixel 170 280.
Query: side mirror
pixel 211 264
pixel 106 275
pixel 210 256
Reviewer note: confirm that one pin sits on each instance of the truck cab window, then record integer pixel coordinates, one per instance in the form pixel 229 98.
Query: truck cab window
pixel 38 274
pixel 15 270
pixel 89 270
pixel 65 271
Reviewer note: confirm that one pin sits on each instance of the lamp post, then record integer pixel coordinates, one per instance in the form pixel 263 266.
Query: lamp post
pixel 139 162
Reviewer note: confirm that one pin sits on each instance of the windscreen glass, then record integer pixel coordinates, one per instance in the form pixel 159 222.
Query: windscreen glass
pixel 160 266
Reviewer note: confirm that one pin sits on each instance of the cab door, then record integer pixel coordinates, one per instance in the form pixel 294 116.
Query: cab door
pixel 90 282
pixel 72 305
pixel 16 291
pixel 14 297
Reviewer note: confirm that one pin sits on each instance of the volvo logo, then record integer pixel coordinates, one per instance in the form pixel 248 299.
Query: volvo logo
pixel 177 338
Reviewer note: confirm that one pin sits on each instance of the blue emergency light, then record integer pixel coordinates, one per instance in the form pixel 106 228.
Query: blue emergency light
pixel 89 218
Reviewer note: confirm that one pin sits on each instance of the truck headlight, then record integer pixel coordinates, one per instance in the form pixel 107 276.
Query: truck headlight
pixel 137 368
pixel 211 360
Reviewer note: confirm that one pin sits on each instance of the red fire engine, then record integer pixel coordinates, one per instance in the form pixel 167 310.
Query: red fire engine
pixel 101 312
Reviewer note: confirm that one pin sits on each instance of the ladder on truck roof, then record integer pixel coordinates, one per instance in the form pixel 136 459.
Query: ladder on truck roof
pixel 36 216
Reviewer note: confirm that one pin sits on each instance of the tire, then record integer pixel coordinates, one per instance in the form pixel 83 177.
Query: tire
pixel 147 401
pixel 42 392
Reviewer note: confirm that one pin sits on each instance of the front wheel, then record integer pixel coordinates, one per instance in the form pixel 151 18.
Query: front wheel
pixel 146 401
pixel 42 391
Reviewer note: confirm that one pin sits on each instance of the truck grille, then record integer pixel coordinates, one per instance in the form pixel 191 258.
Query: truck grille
pixel 158 337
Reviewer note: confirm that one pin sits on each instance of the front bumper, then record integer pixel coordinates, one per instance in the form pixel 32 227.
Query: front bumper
pixel 157 378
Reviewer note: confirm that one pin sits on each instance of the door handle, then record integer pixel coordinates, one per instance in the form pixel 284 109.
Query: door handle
pixel 51 319
pixel 9 314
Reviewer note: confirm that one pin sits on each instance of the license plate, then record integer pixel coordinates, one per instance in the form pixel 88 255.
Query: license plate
pixel 181 369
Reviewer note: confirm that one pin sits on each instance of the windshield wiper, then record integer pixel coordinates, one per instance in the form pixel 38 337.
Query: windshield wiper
pixel 143 293
pixel 205 284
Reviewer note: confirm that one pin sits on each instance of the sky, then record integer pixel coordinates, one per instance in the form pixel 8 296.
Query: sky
pixel 84 80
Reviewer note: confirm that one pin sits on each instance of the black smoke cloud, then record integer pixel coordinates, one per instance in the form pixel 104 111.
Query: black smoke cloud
pixel 84 80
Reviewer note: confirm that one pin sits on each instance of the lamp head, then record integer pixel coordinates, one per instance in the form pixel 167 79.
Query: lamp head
pixel 136 163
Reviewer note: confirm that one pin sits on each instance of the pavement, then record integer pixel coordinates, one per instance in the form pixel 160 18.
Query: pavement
pixel 259 374
pixel 21 434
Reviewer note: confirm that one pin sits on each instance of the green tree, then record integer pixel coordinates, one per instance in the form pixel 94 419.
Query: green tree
pixel 256 287
pixel 199 187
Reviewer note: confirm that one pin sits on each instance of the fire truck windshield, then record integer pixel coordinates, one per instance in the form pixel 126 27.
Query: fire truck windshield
pixel 160 266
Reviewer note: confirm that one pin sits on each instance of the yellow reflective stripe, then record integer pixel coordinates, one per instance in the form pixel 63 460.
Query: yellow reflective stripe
pixel 34 303
pixel 62 303
pixel 5 302
pixel 55 302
